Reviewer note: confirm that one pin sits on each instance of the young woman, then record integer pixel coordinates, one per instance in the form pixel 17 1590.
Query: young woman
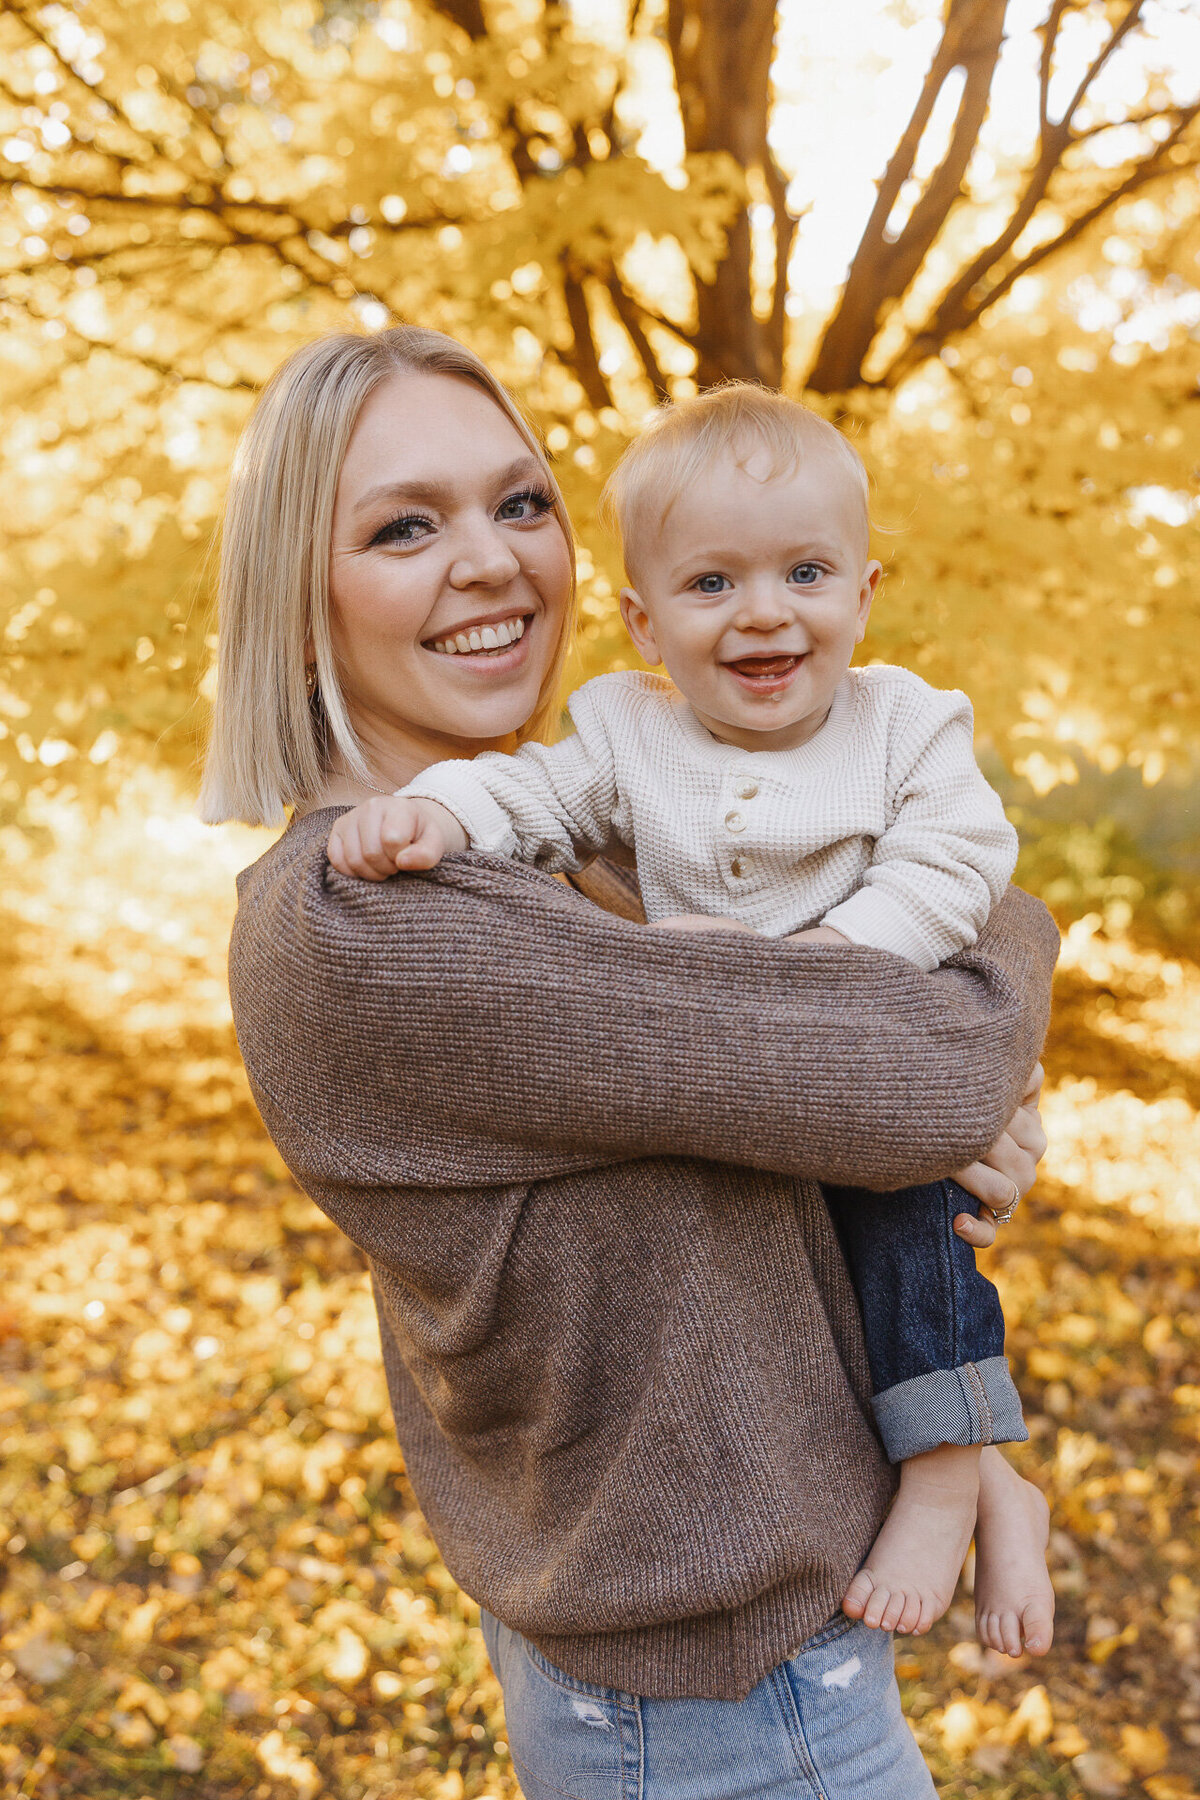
pixel 581 1156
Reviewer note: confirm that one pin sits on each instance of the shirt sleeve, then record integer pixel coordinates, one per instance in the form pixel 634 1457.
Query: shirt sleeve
pixel 481 1022
pixel 549 805
pixel 948 854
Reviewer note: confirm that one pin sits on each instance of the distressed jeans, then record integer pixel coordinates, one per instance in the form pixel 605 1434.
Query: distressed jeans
pixel 825 1726
pixel 933 1326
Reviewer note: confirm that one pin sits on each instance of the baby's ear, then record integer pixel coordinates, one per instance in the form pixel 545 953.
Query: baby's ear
pixel 866 593
pixel 639 627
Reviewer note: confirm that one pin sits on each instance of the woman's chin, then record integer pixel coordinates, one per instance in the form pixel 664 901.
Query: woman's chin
pixel 489 696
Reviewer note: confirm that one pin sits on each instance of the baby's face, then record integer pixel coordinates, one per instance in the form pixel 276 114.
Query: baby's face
pixel 753 596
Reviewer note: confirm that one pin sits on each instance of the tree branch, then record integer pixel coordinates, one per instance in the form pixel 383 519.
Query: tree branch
pixel 147 140
pixel 1049 40
pixel 466 14
pixel 627 310
pixel 169 371
pixel 956 314
pixel 1120 31
pixel 584 362
pixel 880 271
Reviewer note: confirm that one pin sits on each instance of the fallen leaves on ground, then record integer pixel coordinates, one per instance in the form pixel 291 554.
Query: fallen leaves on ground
pixel 217 1582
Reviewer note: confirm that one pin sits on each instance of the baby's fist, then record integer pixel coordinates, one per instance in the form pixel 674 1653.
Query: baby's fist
pixel 383 835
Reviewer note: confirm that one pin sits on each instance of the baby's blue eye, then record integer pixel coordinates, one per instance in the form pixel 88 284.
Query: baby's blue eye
pixel 711 584
pixel 804 574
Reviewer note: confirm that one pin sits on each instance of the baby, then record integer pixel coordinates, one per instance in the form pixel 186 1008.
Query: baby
pixel 769 786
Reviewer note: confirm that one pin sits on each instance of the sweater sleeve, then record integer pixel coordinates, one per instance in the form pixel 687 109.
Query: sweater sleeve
pixel 948 854
pixel 483 1023
pixel 550 805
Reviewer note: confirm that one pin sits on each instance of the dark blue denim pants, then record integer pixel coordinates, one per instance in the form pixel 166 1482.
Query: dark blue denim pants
pixel 933 1325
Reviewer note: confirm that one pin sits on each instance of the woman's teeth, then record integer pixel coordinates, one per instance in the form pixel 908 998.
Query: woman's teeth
pixel 481 637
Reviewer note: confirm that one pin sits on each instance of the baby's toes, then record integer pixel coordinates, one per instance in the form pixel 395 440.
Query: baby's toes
pixel 898 1608
pixel 911 1619
pixel 858 1595
pixel 931 1612
pixel 1000 1631
pixel 877 1605
pixel 1037 1627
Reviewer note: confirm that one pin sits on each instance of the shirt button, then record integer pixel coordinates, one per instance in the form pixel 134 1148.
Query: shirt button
pixel 746 789
pixel 734 822
pixel 741 867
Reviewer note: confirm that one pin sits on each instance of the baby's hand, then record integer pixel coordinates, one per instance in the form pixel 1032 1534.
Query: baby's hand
pixel 699 922
pixel 391 833
pixel 818 934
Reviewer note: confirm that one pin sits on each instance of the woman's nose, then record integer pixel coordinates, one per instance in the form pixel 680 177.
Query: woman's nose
pixel 483 558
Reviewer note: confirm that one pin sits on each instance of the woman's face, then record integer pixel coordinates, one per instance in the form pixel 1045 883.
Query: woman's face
pixel 449 575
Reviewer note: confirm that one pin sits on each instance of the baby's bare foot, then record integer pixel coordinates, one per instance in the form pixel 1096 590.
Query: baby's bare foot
pixel 1014 1599
pixel 912 1569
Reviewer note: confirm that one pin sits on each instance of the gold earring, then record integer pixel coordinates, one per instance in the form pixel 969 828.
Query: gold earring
pixel 310 679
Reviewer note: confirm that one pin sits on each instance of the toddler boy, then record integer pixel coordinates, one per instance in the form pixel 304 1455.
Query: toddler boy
pixel 768 785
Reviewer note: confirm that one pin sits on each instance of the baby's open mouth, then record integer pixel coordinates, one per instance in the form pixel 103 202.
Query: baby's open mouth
pixel 481 639
pixel 766 668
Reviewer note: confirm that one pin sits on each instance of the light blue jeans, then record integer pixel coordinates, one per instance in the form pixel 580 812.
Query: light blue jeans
pixel 825 1726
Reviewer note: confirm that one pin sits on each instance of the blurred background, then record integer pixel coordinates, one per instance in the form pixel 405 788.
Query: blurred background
pixel 967 230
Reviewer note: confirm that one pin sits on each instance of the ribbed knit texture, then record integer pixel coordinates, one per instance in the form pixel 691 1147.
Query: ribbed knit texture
pixel 881 825
pixel 623 1353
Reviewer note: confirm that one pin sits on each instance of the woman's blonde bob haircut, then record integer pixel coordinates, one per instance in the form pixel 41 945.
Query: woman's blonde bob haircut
pixel 271 746
pixel 683 439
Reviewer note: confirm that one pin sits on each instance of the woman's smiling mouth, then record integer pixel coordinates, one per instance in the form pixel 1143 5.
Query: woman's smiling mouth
pixel 477 640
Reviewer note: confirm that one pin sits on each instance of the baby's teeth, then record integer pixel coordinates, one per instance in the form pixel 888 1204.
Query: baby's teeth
pixel 488 638
pixel 463 642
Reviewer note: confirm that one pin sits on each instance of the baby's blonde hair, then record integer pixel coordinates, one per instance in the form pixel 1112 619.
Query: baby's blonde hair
pixel 272 743
pixel 685 437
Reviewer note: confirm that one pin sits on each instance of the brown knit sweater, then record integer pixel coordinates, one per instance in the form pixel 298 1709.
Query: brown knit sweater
pixel 623 1353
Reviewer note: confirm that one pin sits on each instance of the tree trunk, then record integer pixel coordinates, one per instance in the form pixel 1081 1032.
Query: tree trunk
pixel 722 55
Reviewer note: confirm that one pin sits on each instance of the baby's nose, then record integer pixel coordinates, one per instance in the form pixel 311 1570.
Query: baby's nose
pixel 766 609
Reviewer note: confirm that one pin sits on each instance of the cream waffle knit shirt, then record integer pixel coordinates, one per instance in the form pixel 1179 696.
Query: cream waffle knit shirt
pixel 881 825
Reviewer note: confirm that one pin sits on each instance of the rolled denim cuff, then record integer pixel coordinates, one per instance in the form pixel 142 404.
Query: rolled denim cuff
pixel 973 1404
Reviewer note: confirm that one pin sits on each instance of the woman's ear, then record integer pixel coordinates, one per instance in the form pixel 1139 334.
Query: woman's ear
pixel 637 624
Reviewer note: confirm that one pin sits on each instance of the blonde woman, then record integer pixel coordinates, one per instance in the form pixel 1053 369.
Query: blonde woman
pixel 581 1157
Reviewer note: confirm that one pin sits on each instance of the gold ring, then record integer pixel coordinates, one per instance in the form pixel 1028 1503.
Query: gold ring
pixel 1002 1214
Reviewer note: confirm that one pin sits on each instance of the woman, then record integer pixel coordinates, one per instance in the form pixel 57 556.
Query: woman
pixel 581 1157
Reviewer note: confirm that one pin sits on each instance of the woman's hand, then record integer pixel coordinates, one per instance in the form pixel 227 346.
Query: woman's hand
pixel 1010 1163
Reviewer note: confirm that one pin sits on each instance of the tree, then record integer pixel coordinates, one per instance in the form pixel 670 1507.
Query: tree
pixel 190 189
pixel 503 125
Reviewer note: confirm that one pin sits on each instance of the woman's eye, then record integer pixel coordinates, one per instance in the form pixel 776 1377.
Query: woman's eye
pixel 804 574
pixel 712 584
pixel 407 530
pixel 530 504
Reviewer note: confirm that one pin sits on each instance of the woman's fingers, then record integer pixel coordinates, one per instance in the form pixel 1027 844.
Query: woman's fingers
pixel 1026 1130
pixel 979 1233
pixel 1009 1169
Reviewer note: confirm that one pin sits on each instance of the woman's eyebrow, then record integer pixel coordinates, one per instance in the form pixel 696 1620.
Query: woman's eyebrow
pixel 525 468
